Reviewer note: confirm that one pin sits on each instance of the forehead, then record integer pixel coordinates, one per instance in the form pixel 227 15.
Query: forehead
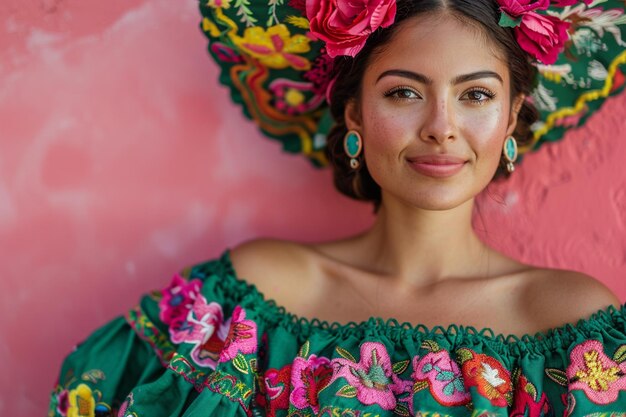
pixel 440 42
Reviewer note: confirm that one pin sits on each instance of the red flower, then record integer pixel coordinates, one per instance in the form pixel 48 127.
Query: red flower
pixel 488 375
pixel 346 25
pixel 518 8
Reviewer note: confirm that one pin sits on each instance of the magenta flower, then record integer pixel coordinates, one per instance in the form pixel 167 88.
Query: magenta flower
pixel 443 376
pixel 563 3
pixel 204 327
pixel 526 402
pixel 63 402
pixel 541 36
pixel 596 374
pixel 308 378
pixel 241 336
pixel 346 25
pixel 178 298
pixel 372 376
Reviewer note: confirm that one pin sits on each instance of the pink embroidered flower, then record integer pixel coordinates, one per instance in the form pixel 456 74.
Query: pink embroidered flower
pixel 178 298
pixel 372 376
pixel 596 374
pixel 241 336
pixel 346 25
pixel 490 378
pixel 204 327
pixel 63 402
pixel 443 376
pixel 541 36
pixel 308 378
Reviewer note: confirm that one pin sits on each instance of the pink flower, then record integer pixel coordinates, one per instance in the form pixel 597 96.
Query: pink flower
pixel 518 8
pixel 372 376
pixel 178 298
pixel 204 327
pixel 241 336
pixel 541 36
pixel 443 376
pixel 596 374
pixel 308 378
pixel 346 25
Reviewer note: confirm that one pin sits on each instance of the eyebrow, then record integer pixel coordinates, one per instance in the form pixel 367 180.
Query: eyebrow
pixel 425 80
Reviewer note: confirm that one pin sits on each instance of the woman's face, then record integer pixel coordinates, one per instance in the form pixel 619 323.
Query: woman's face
pixel 434 111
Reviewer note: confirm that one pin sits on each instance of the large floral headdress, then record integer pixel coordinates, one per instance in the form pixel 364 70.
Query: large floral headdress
pixel 277 58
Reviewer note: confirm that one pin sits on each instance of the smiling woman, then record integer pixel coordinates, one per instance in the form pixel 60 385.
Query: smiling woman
pixel 429 100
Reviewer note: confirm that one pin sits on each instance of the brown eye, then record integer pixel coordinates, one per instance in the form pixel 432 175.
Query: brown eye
pixel 402 93
pixel 479 96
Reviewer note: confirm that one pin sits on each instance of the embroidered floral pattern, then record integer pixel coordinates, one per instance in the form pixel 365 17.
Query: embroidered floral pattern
pixel 591 370
pixel 241 337
pixel 275 47
pixel 488 375
pixel 81 402
pixel 178 298
pixel 205 328
pixel 275 390
pixel 528 401
pixel 371 377
pixel 443 377
pixel 308 378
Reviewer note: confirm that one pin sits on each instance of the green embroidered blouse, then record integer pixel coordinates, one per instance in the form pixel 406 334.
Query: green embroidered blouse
pixel 211 345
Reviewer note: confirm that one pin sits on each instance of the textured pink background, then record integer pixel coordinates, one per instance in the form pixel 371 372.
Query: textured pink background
pixel 122 160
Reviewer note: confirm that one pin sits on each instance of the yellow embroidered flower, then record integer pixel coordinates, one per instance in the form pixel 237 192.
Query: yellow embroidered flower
pixel 82 403
pixel 275 48
pixel 596 376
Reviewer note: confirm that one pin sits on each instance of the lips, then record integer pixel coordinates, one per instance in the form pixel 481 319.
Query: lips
pixel 437 160
pixel 438 166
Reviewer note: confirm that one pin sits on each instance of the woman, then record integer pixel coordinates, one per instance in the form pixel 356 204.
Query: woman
pixel 429 100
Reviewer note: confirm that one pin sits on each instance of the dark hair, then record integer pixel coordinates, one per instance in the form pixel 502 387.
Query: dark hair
pixel 348 73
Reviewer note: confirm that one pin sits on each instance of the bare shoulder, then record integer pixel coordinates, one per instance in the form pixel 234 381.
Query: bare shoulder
pixel 275 266
pixel 554 297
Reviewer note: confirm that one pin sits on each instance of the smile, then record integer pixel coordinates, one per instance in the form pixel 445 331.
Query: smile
pixel 437 166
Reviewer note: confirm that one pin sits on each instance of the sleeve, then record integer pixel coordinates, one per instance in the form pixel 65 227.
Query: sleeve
pixel 158 360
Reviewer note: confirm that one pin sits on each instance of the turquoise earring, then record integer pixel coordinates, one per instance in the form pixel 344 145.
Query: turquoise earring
pixel 510 153
pixel 353 145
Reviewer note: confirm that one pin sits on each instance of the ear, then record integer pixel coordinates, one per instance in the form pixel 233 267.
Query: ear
pixel 518 102
pixel 352 116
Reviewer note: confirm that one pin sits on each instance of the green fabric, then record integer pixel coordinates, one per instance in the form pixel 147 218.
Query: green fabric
pixel 211 345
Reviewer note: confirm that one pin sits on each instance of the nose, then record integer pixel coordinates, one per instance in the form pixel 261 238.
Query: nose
pixel 439 122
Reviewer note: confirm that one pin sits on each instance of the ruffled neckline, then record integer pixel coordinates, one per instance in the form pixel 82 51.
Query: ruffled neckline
pixel 608 319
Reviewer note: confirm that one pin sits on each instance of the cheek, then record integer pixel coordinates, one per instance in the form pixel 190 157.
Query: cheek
pixel 385 132
pixel 485 132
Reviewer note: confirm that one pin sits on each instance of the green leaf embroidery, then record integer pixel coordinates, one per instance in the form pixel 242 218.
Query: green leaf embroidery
pixel 557 375
pixel 419 385
pixel 298 21
pixel 93 376
pixel 402 410
pixel 345 354
pixel 400 367
pixel 253 365
pixel 304 350
pixel 244 11
pixel 430 345
pixel 347 391
pixel 620 354
pixel 240 363
pixel 532 390
pixel 464 355
pixel 509 21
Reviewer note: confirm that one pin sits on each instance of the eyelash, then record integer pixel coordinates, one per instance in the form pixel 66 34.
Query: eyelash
pixel 489 94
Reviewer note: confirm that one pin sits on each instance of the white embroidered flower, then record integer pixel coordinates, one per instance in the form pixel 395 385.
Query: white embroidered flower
pixel 491 376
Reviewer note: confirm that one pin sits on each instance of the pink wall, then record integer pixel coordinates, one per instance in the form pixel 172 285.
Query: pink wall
pixel 122 160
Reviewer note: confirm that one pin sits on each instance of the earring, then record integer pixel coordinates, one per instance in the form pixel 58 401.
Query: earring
pixel 510 153
pixel 353 145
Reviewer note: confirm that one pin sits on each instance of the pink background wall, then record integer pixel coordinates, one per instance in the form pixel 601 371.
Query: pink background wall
pixel 122 160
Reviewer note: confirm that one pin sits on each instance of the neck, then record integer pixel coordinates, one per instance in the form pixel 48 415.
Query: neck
pixel 424 246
